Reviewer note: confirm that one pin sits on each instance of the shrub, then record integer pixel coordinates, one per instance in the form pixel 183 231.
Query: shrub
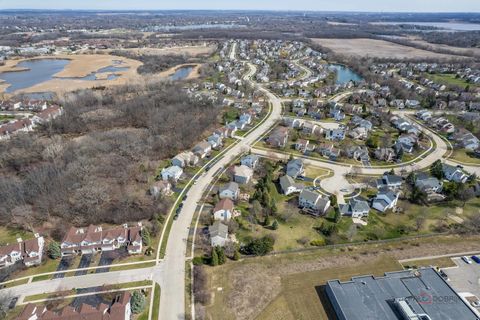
pixel 318 242
pixel 137 302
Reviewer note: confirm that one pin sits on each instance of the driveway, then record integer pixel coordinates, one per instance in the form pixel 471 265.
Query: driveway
pixel 108 257
pixel 84 263
pixel 63 265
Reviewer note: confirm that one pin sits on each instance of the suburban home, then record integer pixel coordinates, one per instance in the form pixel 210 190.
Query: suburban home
pixel 310 128
pixel 218 234
pixel 384 154
pixel 385 199
pixel 454 174
pixel 202 149
pixel 160 188
pixel 29 252
pixel 358 153
pixel 242 174
pixel 185 159
pixel 289 186
pixel 295 168
pixel 301 145
pixel 173 172
pixel 412 103
pixel 313 202
pixel 278 138
pixel 293 122
pixel 328 151
pixel 118 309
pixel 397 103
pixel 358 133
pixel 95 239
pixel 335 134
pixel 428 184
pixel 246 118
pixel 356 208
pixel 229 191
pixel 390 181
pixel 424 115
pixel 215 141
pixel 223 210
pixel 250 160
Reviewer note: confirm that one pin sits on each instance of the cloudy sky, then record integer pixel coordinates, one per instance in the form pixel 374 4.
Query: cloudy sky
pixel 317 5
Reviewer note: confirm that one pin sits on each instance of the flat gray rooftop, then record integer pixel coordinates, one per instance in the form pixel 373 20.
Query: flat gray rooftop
pixel 373 298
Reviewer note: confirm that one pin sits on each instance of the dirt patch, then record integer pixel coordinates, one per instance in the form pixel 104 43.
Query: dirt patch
pixel 190 50
pixel 377 49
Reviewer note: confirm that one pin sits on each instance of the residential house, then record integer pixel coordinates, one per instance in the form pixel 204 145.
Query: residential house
pixel 218 234
pixel 223 210
pixel 96 239
pixel 278 138
pixel 358 133
pixel 356 208
pixel 385 199
pixel 358 153
pixel 384 154
pixel 118 309
pixel 230 191
pixel 428 184
pixel 242 174
pixel 313 202
pixel 289 186
pixel 295 168
pixel 185 159
pixel 412 104
pixel 202 149
pixel 293 122
pixel 160 188
pixel 215 141
pixel 454 174
pixel 390 181
pixel 335 134
pixel 250 160
pixel 301 145
pixel 29 252
pixel 171 173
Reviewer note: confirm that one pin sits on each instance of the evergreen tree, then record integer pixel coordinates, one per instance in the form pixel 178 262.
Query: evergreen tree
pixel 236 255
pixel 53 250
pixel 214 259
pixel 275 225
pixel 267 220
pixel 221 255
pixel 137 302
pixel 146 239
pixel 436 169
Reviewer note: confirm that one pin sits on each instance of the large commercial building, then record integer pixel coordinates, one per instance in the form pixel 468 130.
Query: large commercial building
pixel 403 295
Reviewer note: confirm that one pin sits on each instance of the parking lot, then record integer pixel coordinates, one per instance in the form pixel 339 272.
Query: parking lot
pixel 465 277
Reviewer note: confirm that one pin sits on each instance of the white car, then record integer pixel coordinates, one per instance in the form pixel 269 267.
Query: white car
pixel 467 260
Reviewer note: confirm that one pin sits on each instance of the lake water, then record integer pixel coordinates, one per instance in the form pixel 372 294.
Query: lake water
pixel 181 73
pixel 345 74
pixel 41 70
pixel 445 26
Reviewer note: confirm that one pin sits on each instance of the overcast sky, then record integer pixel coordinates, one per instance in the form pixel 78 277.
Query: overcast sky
pixel 317 5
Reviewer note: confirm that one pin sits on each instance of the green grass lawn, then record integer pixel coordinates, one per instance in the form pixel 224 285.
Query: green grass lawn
pixel 439 262
pixel 449 79
pixel 462 155
pixel 10 235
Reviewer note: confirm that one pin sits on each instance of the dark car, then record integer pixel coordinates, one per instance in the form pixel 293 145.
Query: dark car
pixel 180 205
pixel 184 197
pixel 175 217
pixel 476 259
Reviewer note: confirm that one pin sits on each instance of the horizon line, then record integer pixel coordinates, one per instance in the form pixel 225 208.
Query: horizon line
pixel 243 10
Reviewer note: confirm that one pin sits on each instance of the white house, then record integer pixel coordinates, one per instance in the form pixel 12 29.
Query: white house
pixel 385 199
pixel 223 210
pixel 229 190
pixel 172 172
pixel 218 234
pixel 289 186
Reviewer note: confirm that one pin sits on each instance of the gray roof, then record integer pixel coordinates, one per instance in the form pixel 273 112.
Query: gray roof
pixel 427 183
pixel 359 205
pixel 286 182
pixel 380 298
pixel 294 167
pixel 309 195
pixel 218 229
pixel 233 186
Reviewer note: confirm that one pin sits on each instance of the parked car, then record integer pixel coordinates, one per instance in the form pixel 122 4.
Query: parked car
pixel 467 260
pixel 175 217
pixel 184 198
pixel 443 275
pixel 476 259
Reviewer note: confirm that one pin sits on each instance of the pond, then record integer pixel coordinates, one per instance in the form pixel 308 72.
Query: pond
pixel 39 70
pixel 181 73
pixel 345 74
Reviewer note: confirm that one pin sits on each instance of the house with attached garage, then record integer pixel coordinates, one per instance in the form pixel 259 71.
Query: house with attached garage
pixel 454 174
pixel 278 138
pixel 293 122
pixel 428 184
pixel 202 149
pixel 223 210
pixel 218 234
pixel 230 191
pixel 390 181
pixel 310 128
pixel 215 141
pixel 185 159
pixel 171 173
pixel 384 154
pixel 289 186
pixel 358 153
pixel 295 168
pixel 29 252
pixel 250 160
pixel 96 239
pixel 242 174
pixel 302 145
pixel 356 208
pixel 385 199
pixel 160 188
pixel 313 202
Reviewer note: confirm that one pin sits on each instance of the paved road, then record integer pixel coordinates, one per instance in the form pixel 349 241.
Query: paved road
pixel 172 302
